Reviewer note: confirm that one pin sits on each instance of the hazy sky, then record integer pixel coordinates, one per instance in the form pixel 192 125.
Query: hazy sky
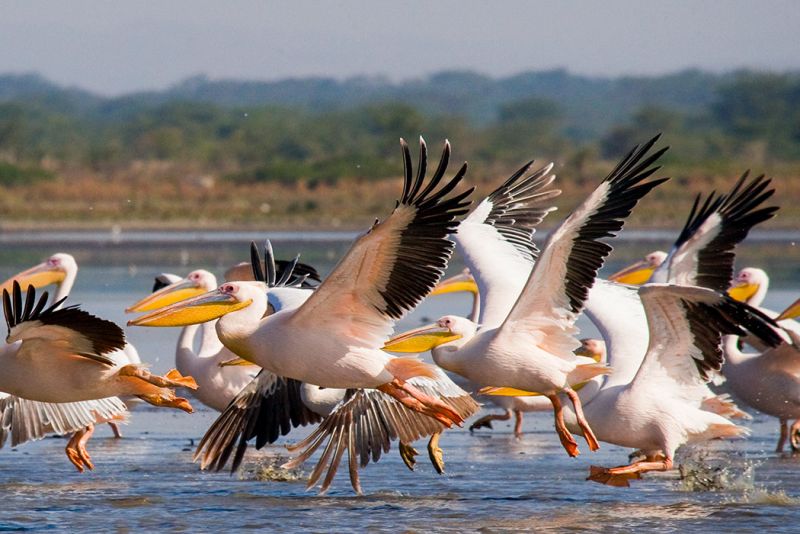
pixel 114 47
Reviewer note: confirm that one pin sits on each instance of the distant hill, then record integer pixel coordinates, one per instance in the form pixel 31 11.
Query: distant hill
pixel 591 105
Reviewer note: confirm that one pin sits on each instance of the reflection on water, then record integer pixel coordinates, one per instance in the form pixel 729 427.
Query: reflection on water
pixel 494 482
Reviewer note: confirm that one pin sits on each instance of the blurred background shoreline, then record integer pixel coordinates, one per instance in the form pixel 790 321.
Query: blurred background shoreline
pixel 322 153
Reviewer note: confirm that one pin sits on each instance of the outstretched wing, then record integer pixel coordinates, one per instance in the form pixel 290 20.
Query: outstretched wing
pixel 703 255
pixel 686 328
pixel 26 420
pixel 365 423
pixel 392 267
pixel 267 408
pixel 496 239
pixel 60 330
pixel 560 281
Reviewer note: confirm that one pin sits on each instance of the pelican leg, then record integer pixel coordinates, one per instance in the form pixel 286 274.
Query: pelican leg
pixel 588 434
pixel 173 379
pixel 619 476
pixel 784 434
pixel 518 423
pixel 408 453
pixel 567 441
pixel 73 450
pixel 416 400
pixel 435 453
pixel 115 429
pixel 81 444
pixel 486 420
pixel 794 436
pixel 168 401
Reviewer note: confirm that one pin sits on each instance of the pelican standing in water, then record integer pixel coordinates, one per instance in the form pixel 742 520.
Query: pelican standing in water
pixel 334 338
pixel 530 348
pixel 56 355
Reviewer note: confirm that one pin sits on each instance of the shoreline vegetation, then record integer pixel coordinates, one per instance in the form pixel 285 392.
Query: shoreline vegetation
pixel 311 154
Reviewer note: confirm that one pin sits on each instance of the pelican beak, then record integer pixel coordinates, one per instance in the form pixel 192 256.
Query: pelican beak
pixel 459 282
pixel 791 312
pixel 743 291
pixel 421 339
pixel 507 392
pixel 37 276
pixel 637 274
pixel 234 362
pixel 180 290
pixel 206 307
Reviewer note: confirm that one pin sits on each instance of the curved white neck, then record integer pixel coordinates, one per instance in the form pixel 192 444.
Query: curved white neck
pixel 476 308
pixel 63 289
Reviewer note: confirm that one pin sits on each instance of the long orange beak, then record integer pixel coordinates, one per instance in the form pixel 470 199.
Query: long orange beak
pixel 206 307
pixel 637 274
pixel 180 290
pixel 791 312
pixel 37 276
pixel 459 282
pixel 420 339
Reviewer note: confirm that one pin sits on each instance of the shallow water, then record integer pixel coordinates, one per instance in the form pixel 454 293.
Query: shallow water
pixel 494 482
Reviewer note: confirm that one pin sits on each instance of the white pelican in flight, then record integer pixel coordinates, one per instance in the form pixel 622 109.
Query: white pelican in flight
pixel 57 355
pixel 334 338
pixel 527 338
pixel 61 270
pixel 660 408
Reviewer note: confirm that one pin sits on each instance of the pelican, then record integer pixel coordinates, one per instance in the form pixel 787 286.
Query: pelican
pixel 334 338
pixel 660 408
pixel 57 355
pixel 526 340
pixel 769 382
pixel 61 270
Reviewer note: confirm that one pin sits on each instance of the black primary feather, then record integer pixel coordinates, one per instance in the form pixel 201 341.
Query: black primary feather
pixel 105 336
pixel 517 207
pixel 626 186
pixel 424 250
pixel 739 212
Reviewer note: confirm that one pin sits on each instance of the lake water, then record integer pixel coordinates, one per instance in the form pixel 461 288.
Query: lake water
pixel 494 482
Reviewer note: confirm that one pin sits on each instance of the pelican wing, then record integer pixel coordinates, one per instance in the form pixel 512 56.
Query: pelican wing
pixel 496 239
pixel 266 409
pixel 703 255
pixel 686 328
pixel 396 263
pixel 365 423
pixel 617 312
pixel 68 330
pixel 26 420
pixel 560 281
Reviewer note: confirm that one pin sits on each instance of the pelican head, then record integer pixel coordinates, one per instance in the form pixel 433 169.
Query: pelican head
pixel 227 298
pixel 463 281
pixel 448 329
pixel 54 270
pixel 639 273
pixel 196 283
pixel 750 286
pixel 592 348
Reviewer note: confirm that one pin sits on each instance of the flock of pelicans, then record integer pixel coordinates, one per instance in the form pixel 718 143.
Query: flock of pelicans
pixel 280 348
